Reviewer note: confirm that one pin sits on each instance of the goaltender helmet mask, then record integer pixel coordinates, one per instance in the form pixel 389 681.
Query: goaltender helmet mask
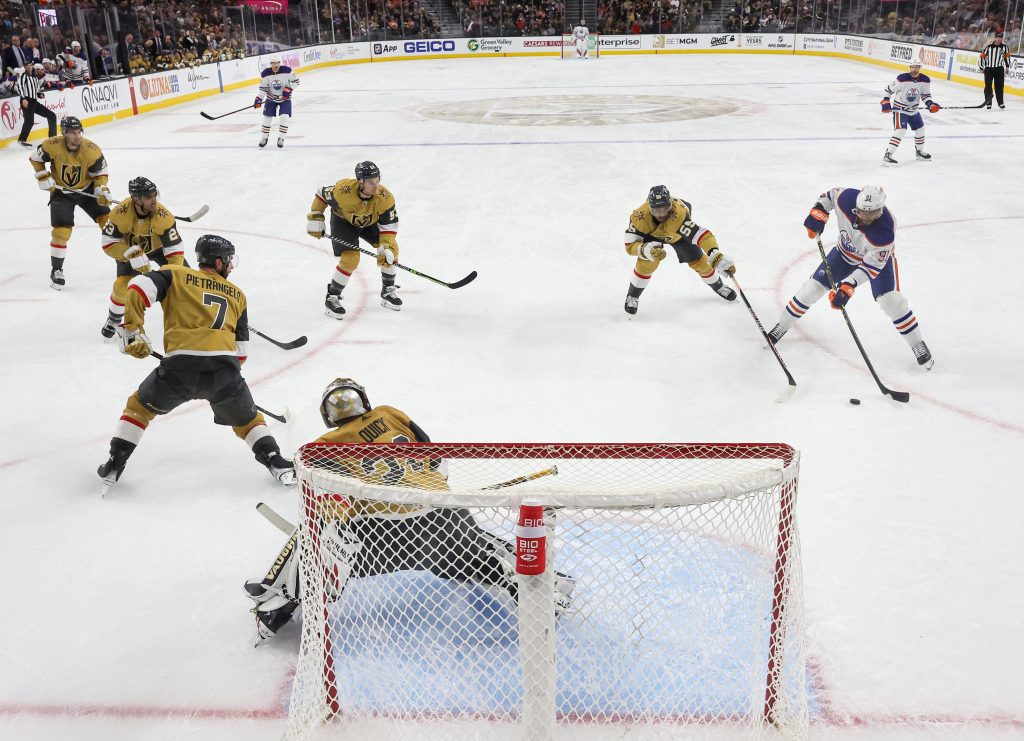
pixel 209 247
pixel 343 398
pixel 367 170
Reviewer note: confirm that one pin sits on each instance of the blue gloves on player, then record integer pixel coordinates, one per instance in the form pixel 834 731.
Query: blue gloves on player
pixel 815 221
pixel 841 296
pixel 886 106
pixel 258 102
pixel 286 93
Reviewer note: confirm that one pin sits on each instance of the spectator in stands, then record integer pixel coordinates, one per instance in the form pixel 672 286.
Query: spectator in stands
pixel 14 56
pixel 104 63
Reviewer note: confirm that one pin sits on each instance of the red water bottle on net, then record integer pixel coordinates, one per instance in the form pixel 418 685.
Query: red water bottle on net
pixel 531 540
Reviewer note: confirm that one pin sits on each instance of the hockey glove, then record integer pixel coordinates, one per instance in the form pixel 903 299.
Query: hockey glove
pixel 315 226
pixel 721 261
pixel 134 343
pixel 934 107
pixel 258 102
pixel 45 180
pixel 841 296
pixel 886 106
pixel 652 251
pixel 103 195
pixel 385 256
pixel 815 221
pixel 286 93
pixel 139 260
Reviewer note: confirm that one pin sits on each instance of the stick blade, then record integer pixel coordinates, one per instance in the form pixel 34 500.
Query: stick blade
pixel 786 395
pixel 460 283
pixel 203 210
pixel 900 396
pixel 206 115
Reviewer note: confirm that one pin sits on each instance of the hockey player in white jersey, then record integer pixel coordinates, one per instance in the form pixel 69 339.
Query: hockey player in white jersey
pixel 863 254
pixel 276 85
pixel 579 38
pixel 902 99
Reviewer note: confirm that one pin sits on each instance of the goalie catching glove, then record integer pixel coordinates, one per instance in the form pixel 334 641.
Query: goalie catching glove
pixel 315 226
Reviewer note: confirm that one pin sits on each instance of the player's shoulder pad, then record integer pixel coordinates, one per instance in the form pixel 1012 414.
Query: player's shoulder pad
pixel 640 214
pixel 386 194
pixel 284 70
pixel 883 231
pixel 922 77
pixel 122 208
pixel 684 204
pixel 267 72
pixel 847 200
pixel 162 218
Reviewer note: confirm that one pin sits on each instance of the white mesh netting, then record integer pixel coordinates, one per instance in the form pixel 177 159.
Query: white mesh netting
pixel 672 595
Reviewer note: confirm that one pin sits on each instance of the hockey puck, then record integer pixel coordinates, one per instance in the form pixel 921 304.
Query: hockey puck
pixel 855 401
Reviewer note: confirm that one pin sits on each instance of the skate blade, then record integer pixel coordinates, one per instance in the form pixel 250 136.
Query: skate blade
pixel 332 315
pixel 387 305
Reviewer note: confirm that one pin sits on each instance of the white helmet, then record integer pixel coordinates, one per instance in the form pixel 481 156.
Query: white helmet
pixel 915 61
pixel 275 59
pixel 343 398
pixel 870 198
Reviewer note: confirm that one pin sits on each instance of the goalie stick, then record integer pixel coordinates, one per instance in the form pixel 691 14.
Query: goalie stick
pixel 208 117
pixel 457 284
pixel 299 342
pixel 200 212
pixel 288 528
pixel 901 396
pixel 278 417
pixel 771 346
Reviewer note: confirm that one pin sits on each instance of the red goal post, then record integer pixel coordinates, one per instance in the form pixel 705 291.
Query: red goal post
pixel 671 593
pixel 569 46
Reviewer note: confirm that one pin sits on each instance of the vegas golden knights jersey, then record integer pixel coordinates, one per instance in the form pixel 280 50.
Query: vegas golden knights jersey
pixel 344 201
pixel 206 324
pixel 381 424
pixel 678 227
pixel 125 228
pixel 71 170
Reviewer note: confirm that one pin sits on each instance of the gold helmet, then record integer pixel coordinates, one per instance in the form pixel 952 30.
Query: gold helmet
pixel 343 398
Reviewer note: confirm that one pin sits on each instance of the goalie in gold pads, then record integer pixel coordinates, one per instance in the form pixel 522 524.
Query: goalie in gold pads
pixel 73 171
pixel 140 235
pixel 206 336
pixel 664 220
pixel 361 208
pixel 368 538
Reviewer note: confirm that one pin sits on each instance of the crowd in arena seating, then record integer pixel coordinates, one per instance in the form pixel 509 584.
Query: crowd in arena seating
pixel 650 16
pixel 375 21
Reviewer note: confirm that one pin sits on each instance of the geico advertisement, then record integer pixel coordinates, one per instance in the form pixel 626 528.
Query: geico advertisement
pixel 418 47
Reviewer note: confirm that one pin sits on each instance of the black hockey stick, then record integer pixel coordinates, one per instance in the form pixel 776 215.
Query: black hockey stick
pixel 208 117
pixel 552 471
pixel 299 342
pixel 278 417
pixel 457 284
pixel 771 345
pixel 901 396
pixel 200 212
pixel 964 107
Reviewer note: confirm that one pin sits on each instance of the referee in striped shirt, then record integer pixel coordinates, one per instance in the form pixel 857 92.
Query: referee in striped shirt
pixel 994 61
pixel 30 88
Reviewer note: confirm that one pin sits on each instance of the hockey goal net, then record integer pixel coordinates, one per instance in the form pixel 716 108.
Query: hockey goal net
pixel 549 591
pixel 569 46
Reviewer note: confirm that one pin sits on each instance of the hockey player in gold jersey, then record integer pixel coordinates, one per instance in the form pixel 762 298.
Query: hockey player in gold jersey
pixel 140 235
pixel 206 337
pixel 380 538
pixel 361 208
pixel 664 220
pixel 73 171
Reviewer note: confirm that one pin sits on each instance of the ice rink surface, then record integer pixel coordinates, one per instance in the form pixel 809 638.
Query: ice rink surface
pixel 124 618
